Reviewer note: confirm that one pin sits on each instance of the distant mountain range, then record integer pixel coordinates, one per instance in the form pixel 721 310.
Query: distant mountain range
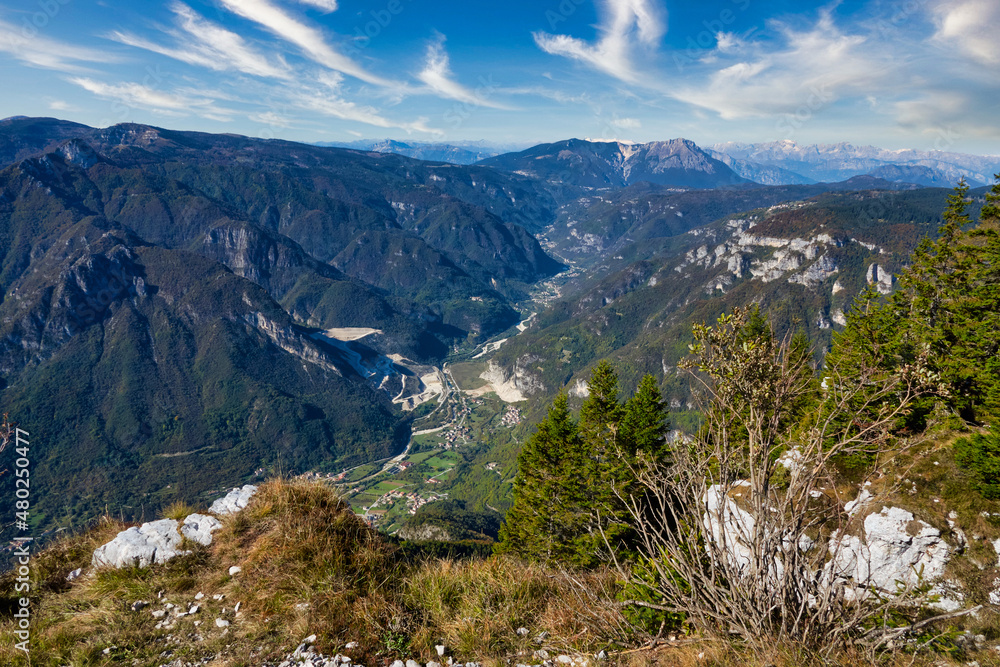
pixel 458 153
pixel 773 163
pixel 838 162
pixel 613 164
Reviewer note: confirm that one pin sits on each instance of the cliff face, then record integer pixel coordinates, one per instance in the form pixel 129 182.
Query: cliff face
pixel 516 384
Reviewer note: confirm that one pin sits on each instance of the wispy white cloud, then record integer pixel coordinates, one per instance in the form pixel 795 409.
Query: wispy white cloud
pixel 327 104
pixel 203 43
pixel 271 119
pixel 37 50
pixel 61 105
pixel 577 97
pixel 324 94
pixel 159 101
pixel 808 69
pixel 625 23
pixel 438 77
pixel 627 123
pixel 306 37
pixel 972 27
pixel 323 5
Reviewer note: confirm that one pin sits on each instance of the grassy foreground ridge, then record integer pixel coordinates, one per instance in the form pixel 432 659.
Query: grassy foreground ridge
pixel 310 566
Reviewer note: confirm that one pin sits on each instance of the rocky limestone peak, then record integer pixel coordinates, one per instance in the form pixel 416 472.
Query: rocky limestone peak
pixel 80 153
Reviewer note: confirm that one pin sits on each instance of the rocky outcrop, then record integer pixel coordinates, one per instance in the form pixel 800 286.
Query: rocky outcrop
pixel 157 542
pixel 513 385
pixel 199 528
pixel 234 501
pixel 425 532
pixel 580 389
pixel 895 548
pixel 154 542
pixel 816 273
pixel 880 278
pixel 291 340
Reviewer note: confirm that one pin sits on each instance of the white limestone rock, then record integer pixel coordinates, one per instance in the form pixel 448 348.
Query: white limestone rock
pixel 880 278
pixel 153 542
pixel 791 459
pixel 729 524
pixel 995 593
pixel 896 548
pixel 819 271
pixel 852 507
pixel 233 501
pixel 199 528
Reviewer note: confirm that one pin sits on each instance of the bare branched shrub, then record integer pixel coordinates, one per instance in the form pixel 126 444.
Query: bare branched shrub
pixel 735 534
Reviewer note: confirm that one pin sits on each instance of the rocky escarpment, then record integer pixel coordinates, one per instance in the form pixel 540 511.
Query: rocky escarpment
pixel 805 261
pixel 77 282
pixel 516 384
pixel 880 549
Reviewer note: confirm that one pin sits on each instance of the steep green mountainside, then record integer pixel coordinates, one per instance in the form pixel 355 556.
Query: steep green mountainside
pixel 165 294
pixel 255 206
pixel 145 375
pixel 802 261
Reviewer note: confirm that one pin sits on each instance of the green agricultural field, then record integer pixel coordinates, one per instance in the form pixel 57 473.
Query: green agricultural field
pixel 443 461
pixel 467 374
pixel 422 456
pixel 362 472
pixel 427 440
pixel 385 487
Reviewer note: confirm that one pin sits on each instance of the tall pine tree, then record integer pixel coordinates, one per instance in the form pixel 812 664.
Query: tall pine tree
pixel 544 523
pixel 572 477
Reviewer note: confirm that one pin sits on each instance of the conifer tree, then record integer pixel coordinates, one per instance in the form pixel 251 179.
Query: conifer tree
pixel 946 310
pixel 601 412
pixel 600 416
pixel 572 476
pixel 544 522
pixel 645 423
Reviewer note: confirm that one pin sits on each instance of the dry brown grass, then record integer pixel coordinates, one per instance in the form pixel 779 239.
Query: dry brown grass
pixel 311 567
pixel 476 608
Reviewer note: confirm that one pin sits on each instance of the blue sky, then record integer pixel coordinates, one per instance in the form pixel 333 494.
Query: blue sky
pixel 903 74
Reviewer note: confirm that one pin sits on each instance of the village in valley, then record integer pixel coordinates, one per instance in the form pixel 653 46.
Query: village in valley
pixel 452 438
